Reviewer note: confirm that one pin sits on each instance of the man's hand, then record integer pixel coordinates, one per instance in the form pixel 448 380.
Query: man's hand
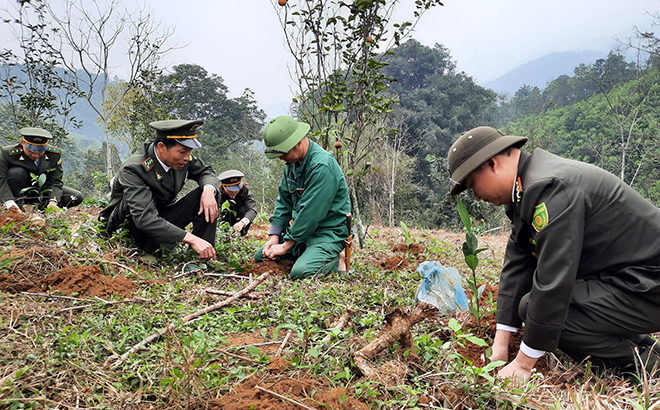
pixel 500 348
pixel 205 250
pixel 520 368
pixel 272 241
pixel 238 227
pixel 272 249
pixel 208 205
pixel 52 204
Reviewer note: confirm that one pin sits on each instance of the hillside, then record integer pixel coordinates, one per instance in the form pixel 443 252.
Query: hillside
pixel 542 70
pixel 86 324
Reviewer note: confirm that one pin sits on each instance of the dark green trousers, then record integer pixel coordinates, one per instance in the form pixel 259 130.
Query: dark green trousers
pixel 317 259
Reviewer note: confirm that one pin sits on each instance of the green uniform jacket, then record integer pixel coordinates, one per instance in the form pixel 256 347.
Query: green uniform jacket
pixel 573 221
pixel 315 196
pixel 50 163
pixel 142 187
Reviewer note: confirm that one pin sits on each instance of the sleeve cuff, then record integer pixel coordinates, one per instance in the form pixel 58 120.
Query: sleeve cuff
pixel 214 188
pixel 245 221
pixel 506 328
pixel 276 230
pixel 10 203
pixel 533 353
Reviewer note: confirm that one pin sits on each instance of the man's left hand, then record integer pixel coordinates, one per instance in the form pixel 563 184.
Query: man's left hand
pixel 238 227
pixel 208 205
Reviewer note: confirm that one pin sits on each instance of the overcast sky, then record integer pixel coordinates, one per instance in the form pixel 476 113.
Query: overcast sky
pixel 241 40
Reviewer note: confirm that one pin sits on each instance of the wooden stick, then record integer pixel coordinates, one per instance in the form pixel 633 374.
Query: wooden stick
pixel 286 340
pixel 46 295
pixel 340 324
pixel 253 295
pixel 284 398
pixel 189 317
pixel 237 356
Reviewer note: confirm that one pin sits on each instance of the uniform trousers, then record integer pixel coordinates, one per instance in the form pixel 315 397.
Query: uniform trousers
pixel 179 213
pixel 605 324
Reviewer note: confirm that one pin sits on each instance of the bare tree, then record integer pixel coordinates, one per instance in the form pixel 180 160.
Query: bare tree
pixel 88 36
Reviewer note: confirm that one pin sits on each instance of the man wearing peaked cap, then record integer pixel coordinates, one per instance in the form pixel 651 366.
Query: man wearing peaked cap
pixel 145 190
pixel 312 193
pixel 242 206
pixel 34 155
pixel 582 264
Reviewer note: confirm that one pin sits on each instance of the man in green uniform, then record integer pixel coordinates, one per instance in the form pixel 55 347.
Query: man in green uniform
pixel 145 189
pixel 242 206
pixel 313 194
pixel 582 264
pixel 33 155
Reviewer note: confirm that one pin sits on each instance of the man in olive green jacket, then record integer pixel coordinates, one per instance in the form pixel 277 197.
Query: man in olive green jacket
pixel 313 194
pixel 145 189
pixel 582 265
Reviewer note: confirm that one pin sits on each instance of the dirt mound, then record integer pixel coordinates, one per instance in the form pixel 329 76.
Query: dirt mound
pixel 262 394
pixel 412 248
pixel 12 216
pixel 47 270
pixel 278 267
pixel 87 281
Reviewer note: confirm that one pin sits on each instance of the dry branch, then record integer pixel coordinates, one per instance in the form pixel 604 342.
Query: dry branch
pixel 236 356
pixel 284 398
pixel 253 295
pixel 339 324
pixel 397 329
pixel 284 342
pixel 191 316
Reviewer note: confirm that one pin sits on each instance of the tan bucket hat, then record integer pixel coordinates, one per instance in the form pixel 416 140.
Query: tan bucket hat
pixel 472 149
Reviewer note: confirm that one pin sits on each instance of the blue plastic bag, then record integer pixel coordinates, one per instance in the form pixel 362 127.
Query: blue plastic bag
pixel 441 287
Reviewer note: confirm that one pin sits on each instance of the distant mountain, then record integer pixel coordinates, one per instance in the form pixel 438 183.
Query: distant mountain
pixel 542 70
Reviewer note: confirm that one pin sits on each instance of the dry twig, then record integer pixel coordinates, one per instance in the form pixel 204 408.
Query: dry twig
pixel 284 342
pixel 340 324
pixel 297 403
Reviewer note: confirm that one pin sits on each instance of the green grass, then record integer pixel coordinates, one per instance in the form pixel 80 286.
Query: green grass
pixel 56 352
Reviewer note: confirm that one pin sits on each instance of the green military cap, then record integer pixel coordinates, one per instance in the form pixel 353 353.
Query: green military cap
pixel 182 131
pixel 36 139
pixel 232 180
pixel 472 149
pixel 282 134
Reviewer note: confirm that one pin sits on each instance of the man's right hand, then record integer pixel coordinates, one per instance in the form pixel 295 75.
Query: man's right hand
pixel 500 348
pixel 205 250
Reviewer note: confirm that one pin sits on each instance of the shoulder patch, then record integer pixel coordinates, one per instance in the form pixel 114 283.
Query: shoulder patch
pixel 540 218
pixel 147 164
pixel 15 151
pixel 54 149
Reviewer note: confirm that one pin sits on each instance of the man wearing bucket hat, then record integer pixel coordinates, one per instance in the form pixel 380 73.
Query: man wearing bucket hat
pixel 582 264
pixel 34 155
pixel 145 190
pixel 313 194
pixel 242 206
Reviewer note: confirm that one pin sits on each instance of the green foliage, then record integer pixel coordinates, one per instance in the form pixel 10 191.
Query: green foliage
pixel 470 251
pixel 37 187
pixel 35 87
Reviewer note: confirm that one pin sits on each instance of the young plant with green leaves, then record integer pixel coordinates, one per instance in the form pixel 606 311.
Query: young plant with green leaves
pixel 38 183
pixel 470 251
